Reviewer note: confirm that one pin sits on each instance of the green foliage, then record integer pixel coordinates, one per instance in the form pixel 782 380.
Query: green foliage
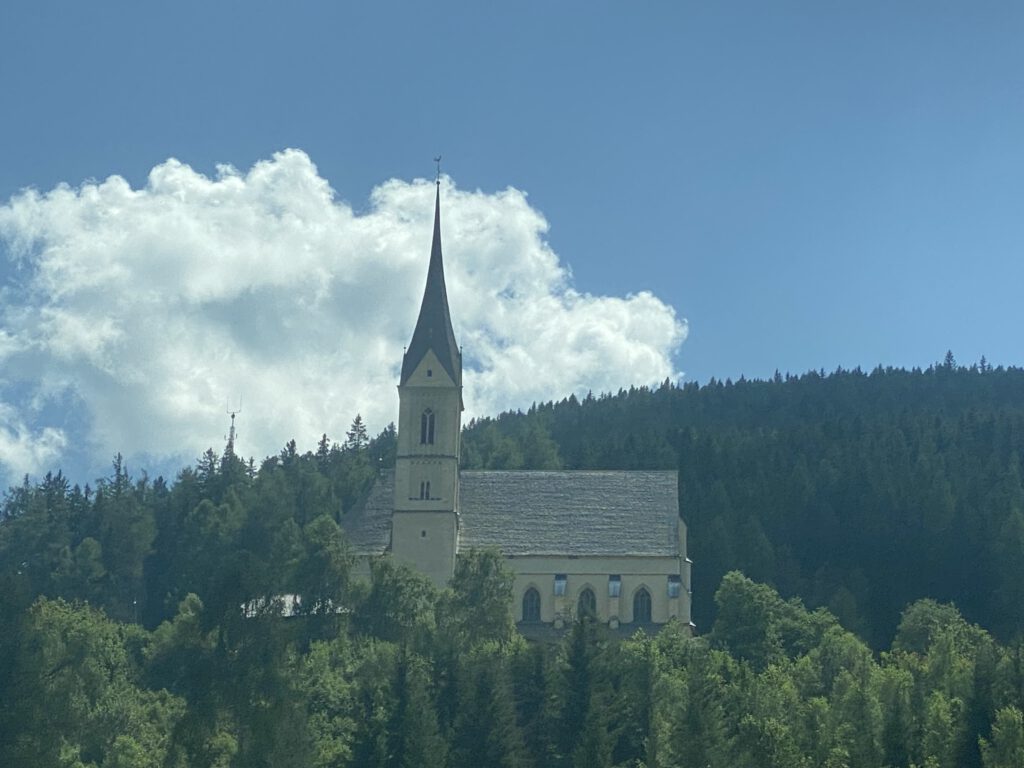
pixel 476 610
pixel 755 625
pixel 75 694
pixel 418 736
pixel 856 492
pixel 388 690
pixel 485 728
pixel 399 607
pixel 1005 748
pixel 144 621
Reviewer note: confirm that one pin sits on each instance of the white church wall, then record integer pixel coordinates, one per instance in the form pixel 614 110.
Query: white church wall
pixel 426 542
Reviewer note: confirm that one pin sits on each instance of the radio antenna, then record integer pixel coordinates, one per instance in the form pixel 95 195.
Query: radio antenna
pixel 232 434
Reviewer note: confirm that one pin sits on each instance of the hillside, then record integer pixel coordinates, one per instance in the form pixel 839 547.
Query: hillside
pixel 126 644
pixel 860 492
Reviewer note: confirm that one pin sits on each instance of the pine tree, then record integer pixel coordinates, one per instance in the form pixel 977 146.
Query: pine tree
pixel 485 729
pixel 418 738
pixel 1005 747
pixel 356 438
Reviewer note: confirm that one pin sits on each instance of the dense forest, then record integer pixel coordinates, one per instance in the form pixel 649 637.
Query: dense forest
pixel 144 621
pixel 860 492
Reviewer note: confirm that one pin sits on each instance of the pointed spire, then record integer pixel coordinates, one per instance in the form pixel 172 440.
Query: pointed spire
pixel 434 325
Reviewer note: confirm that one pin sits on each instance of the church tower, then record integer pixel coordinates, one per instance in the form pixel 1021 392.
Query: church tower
pixel 425 522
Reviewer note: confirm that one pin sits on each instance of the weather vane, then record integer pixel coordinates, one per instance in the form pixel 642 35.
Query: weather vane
pixel 438 161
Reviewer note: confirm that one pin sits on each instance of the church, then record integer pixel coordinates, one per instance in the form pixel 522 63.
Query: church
pixel 609 544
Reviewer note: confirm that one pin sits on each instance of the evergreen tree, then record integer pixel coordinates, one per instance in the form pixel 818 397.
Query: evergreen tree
pixel 476 609
pixel 418 737
pixel 1005 748
pixel 485 727
pixel 356 438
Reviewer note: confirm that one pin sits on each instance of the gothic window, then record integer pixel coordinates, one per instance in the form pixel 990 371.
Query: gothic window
pixel 427 428
pixel 673 585
pixel 560 579
pixel 642 606
pixel 587 604
pixel 531 605
pixel 614 585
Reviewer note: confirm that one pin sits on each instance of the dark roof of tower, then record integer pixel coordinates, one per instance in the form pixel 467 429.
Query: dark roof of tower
pixel 434 325
pixel 549 512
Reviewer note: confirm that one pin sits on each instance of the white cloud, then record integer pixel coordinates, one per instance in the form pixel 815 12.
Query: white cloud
pixel 24 451
pixel 149 308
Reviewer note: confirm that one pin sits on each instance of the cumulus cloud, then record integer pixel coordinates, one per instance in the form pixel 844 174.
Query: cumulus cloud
pixel 22 450
pixel 141 312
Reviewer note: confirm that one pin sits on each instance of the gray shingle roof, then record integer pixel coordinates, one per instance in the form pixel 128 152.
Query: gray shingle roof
pixel 570 512
pixel 545 513
pixel 368 526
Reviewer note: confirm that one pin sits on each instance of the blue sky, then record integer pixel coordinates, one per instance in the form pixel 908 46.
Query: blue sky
pixel 807 184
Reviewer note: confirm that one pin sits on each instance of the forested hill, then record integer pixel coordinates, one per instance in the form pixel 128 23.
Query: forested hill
pixel 143 621
pixel 857 491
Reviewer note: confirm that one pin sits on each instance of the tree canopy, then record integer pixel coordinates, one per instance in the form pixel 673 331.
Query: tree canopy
pixel 216 620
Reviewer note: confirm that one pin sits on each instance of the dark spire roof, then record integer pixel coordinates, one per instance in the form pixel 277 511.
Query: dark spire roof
pixel 434 325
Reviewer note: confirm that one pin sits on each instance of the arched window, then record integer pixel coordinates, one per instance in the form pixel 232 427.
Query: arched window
pixel 425 489
pixel 427 428
pixel 531 605
pixel 642 606
pixel 587 604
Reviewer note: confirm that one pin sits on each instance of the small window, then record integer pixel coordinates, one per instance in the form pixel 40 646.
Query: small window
pixel 423 534
pixel 427 427
pixel 425 489
pixel 614 585
pixel 586 606
pixel 429 373
pixel 531 605
pixel 560 579
pixel 642 606
pixel 673 585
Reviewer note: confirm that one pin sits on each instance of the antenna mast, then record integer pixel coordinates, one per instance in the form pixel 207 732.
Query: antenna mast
pixel 231 432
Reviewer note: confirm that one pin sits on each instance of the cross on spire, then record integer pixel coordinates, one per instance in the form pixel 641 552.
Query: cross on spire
pixel 437 179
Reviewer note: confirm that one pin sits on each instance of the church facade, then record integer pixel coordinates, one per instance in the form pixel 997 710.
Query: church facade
pixel 610 544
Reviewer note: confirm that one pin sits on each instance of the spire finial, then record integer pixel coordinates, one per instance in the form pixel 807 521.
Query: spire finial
pixel 437 180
